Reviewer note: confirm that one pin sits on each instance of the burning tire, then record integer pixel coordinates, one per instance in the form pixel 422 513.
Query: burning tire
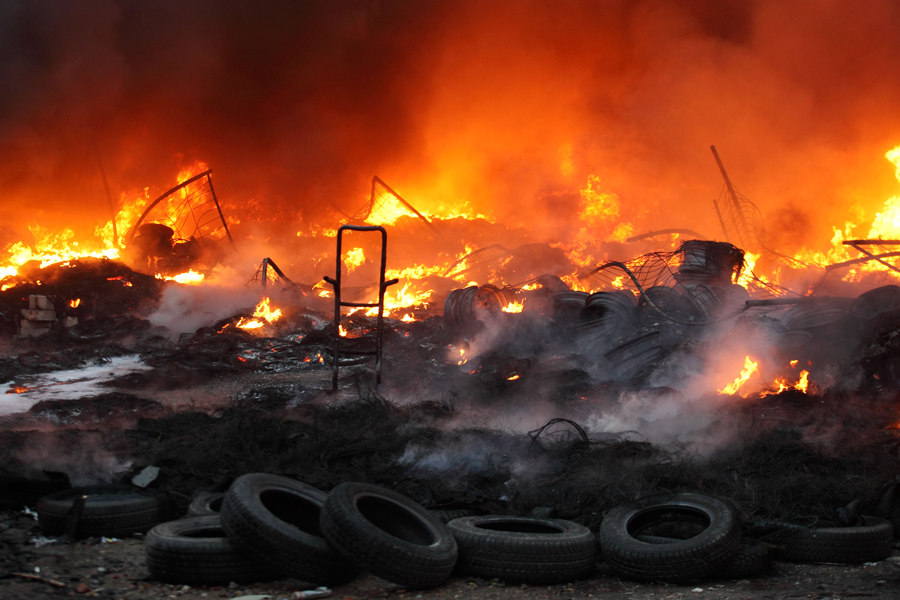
pixel 206 504
pixel 102 510
pixel 869 542
pixel 524 549
pixel 389 535
pixel 196 551
pixel 701 555
pixel 275 521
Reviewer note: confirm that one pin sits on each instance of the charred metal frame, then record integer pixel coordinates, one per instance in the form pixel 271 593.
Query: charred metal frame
pixel 153 204
pixel 338 303
pixel 264 271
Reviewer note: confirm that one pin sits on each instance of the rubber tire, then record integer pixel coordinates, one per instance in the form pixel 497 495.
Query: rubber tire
pixel 752 557
pixel 196 551
pixel 109 511
pixel 206 504
pixel 253 515
pixel 524 549
pixel 870 542
pixel 681 561
pixel 389 535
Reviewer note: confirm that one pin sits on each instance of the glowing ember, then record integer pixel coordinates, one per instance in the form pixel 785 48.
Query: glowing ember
pixel 750 368
pixel 514 307
pixel 794 363
pixel 124 281
pixel 19 390
pixel 513 378
pixel 353 259
pixel 408 318
pixel 75 303
pixel 462 357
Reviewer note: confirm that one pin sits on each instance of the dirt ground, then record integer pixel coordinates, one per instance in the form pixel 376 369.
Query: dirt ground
pixel 117 569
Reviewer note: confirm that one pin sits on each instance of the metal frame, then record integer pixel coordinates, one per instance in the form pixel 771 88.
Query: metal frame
pixel 175 189
pixel 338 303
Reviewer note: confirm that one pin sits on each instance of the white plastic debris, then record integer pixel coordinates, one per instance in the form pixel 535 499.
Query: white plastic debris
pixel 40 540
pixel 319 592
pixel 30 513
pixel 697 590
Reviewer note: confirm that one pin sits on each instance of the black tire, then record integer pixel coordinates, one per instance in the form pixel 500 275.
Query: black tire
pixel 684 560
pixel 869 542
pixel 206 504
pixel 524 549
pixel 752 557
pixel 275 521
pixel 389 535
pixel 109 511
pixel 196 551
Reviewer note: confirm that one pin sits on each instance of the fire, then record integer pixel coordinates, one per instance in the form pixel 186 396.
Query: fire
pixel 513 378
pixel 75 303
pixel 353 259
pixel 341 331
pixel 262 313
pixel 750 367
pixel 408 318
pixel 263 310
pixel 462 357
pixel 514 306
pixel 803 384
pixel 189 278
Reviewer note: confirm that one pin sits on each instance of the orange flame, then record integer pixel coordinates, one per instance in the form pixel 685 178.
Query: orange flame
pixel 514 307
pixel 749 369
pixel 75 303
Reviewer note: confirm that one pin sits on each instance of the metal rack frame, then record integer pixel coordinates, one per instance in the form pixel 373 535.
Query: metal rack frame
pixel 338 303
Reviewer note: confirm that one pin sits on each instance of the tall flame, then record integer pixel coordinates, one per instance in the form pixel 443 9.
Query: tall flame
pixel 750 367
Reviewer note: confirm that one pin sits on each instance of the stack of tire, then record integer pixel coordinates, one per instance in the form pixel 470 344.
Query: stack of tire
pixel 271 526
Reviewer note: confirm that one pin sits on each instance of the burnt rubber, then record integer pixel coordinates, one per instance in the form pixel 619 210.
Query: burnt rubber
pixel 683 560
pixel 206 504
pixel 869 542
pixel 275 521
pixel 752 557
pixel 389 535
pixel 108 511
pixel 196 551
pixel 524 549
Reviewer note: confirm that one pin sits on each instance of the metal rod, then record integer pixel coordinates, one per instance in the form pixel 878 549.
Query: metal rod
pixel 878 258
pixel 721 222
pixel 400 198
pixel 790 301
pixel 857 261
pixel 218 208
pixel 737 208
pixel 651 234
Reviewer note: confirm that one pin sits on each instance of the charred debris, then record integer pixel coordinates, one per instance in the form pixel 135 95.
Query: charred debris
pixel 610 374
